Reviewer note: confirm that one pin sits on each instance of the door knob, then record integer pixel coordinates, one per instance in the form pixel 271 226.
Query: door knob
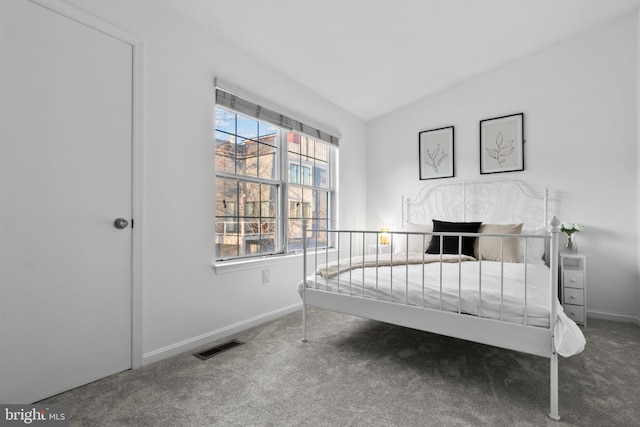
pixel 120 223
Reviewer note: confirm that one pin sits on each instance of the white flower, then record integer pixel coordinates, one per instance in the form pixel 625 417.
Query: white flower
pixel 571 227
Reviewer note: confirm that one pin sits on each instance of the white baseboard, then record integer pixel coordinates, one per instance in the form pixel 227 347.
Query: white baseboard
pixel 218 334
pixel 191 343
pixel 613 316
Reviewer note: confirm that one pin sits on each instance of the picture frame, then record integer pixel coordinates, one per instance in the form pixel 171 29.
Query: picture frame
pixel 435 153
pixel 502 144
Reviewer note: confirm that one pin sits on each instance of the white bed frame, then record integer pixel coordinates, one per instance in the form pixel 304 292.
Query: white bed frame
pixel 492 201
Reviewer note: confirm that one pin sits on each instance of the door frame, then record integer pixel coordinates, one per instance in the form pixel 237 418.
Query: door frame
pixel 136 43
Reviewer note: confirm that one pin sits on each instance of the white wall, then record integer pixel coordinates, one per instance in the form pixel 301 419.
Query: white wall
pixel 185 301
pixel 579 103
pixel 638 150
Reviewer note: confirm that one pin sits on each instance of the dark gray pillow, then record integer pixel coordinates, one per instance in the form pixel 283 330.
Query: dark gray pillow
pixel 450 243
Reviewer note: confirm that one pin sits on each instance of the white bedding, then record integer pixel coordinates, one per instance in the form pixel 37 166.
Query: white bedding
pixel 474 293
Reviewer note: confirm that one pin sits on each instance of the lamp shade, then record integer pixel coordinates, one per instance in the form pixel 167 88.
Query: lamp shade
pixel 385 237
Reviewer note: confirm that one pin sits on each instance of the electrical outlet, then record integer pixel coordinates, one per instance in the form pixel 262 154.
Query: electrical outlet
pixel 266 275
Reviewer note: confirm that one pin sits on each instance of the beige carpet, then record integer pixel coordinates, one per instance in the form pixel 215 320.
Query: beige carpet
pixel 357 372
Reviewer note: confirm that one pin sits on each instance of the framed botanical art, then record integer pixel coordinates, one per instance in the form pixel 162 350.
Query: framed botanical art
pixel 502 144
pixel 435 153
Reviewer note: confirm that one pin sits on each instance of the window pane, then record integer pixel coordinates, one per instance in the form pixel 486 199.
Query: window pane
pixel 294 235
pixel 268 231
pixel 305 203
pixel 247 128
pixel 266 130
pixel 226 218
pixel 250 193
pixel 294 171
pixel 299 202
pixel 226 197
pixel 227 246
pixel 299 169
pixel 293 155
pixel 320 205
pixel 321 217
pixel 225 152
pixel 226 121
pixel 258 230
pixel 247 163
pixel 268 235
pixel 269 199
pixel 321 175
pixel 267 161
pixel 304 146
pixel 305 175
pixel 294 168
pixel 321 152
pixel 321 165
pixel 293 140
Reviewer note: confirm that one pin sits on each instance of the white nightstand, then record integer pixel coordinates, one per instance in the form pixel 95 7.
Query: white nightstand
pixel 573 286
pixel 382 249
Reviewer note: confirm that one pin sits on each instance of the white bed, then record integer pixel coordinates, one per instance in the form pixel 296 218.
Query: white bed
pixel 512 305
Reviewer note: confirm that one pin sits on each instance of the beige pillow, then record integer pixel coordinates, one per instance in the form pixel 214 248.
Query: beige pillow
pixel 491 245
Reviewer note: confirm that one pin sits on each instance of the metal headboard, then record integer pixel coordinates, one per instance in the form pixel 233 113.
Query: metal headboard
pixel 499 201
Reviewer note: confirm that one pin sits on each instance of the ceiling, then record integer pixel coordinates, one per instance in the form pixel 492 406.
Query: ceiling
pixel 371 57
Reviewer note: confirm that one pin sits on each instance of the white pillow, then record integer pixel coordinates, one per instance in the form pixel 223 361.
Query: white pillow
pixel 535 247
pixel 417 242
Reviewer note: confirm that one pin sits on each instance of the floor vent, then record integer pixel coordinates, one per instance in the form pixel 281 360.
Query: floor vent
pixel 207 354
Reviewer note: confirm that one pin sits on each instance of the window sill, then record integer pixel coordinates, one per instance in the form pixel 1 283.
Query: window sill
pixel 232 266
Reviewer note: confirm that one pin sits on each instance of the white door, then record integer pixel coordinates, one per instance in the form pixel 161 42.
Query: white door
pixel 65 176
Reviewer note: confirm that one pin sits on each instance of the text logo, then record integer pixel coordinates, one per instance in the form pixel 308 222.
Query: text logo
pixel 34 415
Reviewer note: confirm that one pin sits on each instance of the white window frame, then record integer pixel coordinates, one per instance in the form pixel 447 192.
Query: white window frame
pixel 282 183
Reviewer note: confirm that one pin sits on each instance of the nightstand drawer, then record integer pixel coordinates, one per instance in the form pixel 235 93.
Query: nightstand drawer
pixel 575 312
pixel 573 279
pixel 573 296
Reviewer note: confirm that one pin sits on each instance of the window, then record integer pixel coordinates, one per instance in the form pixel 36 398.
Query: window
pixel 261 168
pixel 298 174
